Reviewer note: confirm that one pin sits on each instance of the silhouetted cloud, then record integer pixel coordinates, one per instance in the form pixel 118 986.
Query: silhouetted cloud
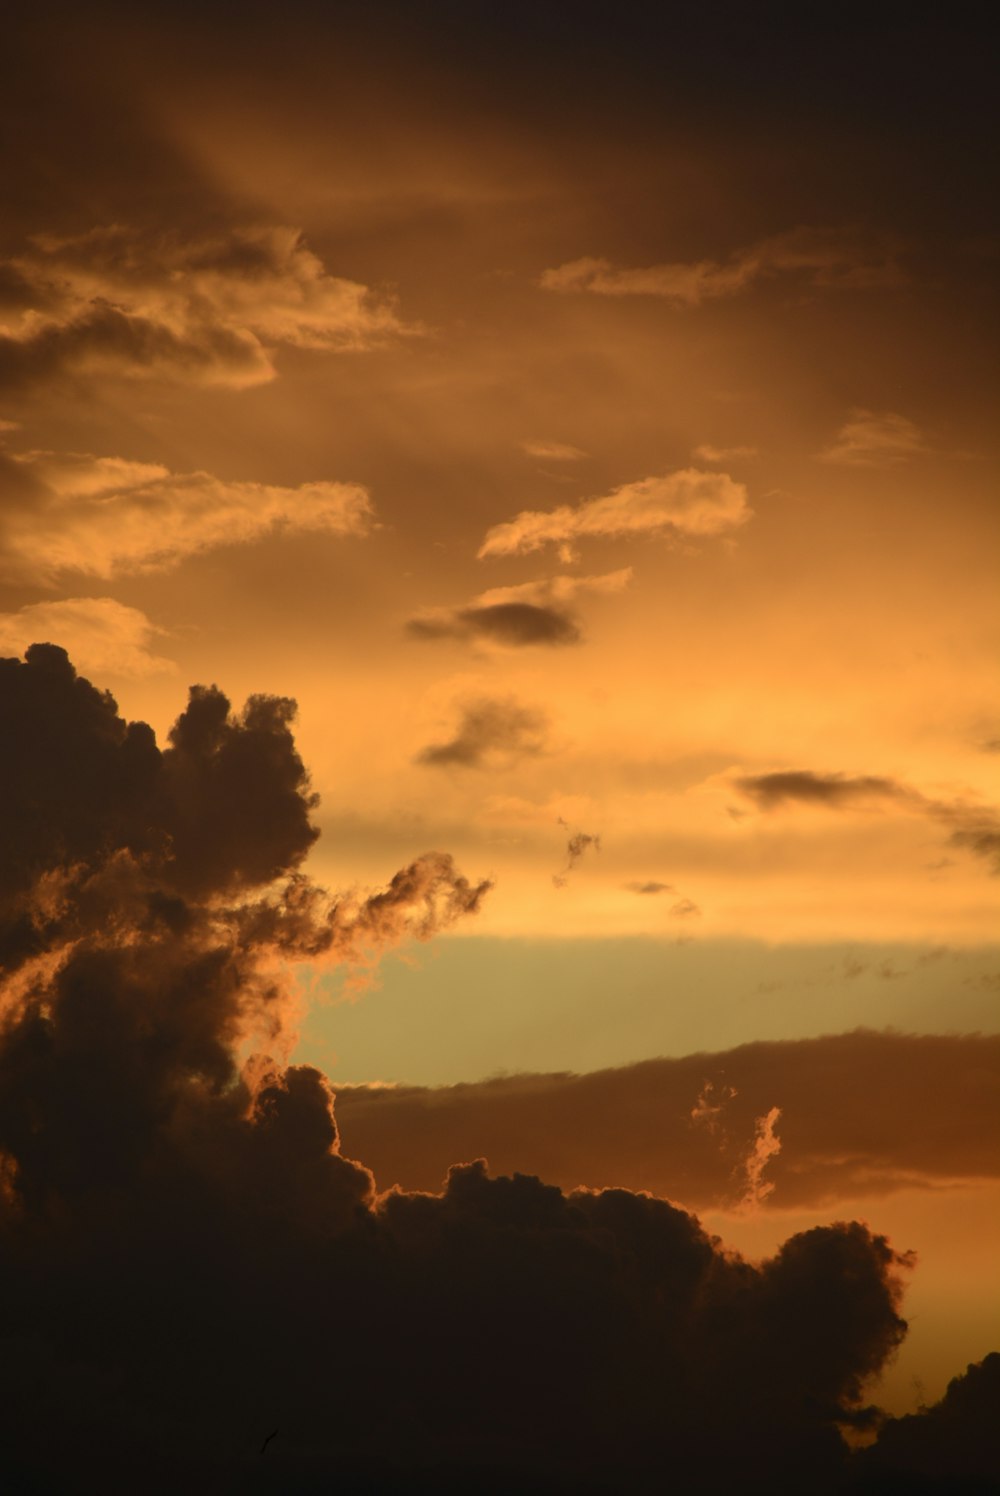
pixel 209 310
pixel 491 730
pixel 870 439
pixel 689 503
pixel 856 1120
pixel 106 516
pixel 189 1243
pixel 529 613
pixel 823 257
pixel 106 637
pixel 953 1446
pixel 579 842
pixel 650 887
pixel 976 828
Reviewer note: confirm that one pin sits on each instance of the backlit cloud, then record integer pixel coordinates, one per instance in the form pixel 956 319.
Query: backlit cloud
pixel 106 637
pixel 869 439
pixel 828 258
pixel 106 517
pixel 203 310
pixel 691 504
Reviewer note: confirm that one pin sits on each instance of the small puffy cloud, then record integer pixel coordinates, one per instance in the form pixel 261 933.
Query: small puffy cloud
pixel 684 909
pixel 870 439
pixel 821 257
pixel 210 310
pixel 552 451
pixel 106 516
pixel 105 636
pixel 529 613
pixel 491 732
pixel 689 504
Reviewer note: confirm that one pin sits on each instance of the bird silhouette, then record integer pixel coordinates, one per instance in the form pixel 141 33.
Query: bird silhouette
pixel 268 1440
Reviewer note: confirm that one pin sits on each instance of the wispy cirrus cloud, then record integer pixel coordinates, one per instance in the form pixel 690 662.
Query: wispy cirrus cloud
pixel 871 439
pixel 208 310
pixel 107 516
pixel 688 504
pixel 106 637
pixel 552 451
pixel 822 257
pixel 531 613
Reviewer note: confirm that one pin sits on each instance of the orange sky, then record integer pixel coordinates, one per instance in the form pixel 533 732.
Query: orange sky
pixel 579 453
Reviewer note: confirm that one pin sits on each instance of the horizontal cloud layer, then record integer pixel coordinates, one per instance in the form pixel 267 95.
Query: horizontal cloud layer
pixel 973 827
pixel 690 504
pixel 208 310
pixel 861 1113
pixel 106 517
pixel 822 257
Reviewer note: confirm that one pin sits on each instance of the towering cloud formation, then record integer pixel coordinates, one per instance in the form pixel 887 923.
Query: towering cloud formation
pixel 192 1261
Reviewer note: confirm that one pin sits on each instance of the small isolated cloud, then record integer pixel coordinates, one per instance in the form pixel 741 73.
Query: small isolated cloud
pixel 766 1145
pixel 650 887
pixel 707 453
pixel 107 516
pixel 870 439
pixel 531 613
pixel 579 842
pixel 975 828
pixel 684 909
pixel 491 732
pixel 689 504
pixel 553 451
pixel 821 257
pixel 105 636
pixel 212 311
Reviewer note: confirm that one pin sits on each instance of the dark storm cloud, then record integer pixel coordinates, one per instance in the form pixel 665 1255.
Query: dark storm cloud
pixel 490 731
pixel 952 1446
pixel 191 1259
pixel 975 828
pixel 516 624
pixel 861 1114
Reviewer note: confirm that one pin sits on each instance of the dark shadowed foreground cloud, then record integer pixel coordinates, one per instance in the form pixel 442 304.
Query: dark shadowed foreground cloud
pixel 492 731
pixel 189 1261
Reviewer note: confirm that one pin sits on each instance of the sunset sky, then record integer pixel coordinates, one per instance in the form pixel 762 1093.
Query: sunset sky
pixel 587 415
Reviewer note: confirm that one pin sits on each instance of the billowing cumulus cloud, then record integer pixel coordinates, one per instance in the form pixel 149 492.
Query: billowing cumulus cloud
pixel 491 732
pixel 855 1120
pixel 539 612
pixel 207 310
pixel 974 827
pixel 828 258
pixel 869 439
pixel 106 516
pixel 198 1270
pixel 105 636
pixel 689 504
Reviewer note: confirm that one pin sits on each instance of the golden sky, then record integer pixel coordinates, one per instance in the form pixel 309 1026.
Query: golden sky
pixel 592 428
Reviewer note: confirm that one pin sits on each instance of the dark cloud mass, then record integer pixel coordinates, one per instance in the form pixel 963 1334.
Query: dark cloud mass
pixel 491 731
pixel 189 1260
pixel 515 624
